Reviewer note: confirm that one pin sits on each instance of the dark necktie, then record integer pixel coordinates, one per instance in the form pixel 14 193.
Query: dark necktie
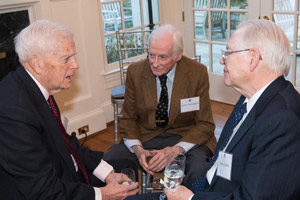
pixel 161 113
pixel 66 137
pixel 199 185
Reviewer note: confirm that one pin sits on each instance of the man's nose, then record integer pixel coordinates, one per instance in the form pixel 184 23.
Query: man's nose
pixel 74 64
pixel 156 61
pixel 221 61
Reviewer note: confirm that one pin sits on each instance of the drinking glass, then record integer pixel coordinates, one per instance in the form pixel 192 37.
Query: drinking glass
pixel 173 174
pixel 130 173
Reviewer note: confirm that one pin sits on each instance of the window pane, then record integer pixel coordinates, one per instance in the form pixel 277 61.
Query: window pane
pixel 218 28
pixel 287 5
pixel 135 41
pixel 239 4
pixel 111 17
pixel 146 12
pixel 236 18
pixel 200 3
pixel 202 50
pixel 132 13
pixel 217 67
pixel 201 25
pixel 111 49
pixel 155 11
pixel 286 22
pixel 218 4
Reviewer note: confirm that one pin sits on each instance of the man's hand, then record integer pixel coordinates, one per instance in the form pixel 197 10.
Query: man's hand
pixel 115 191
pixel 142 155
pixel 117 178
pixel 163 157
pixel 180 193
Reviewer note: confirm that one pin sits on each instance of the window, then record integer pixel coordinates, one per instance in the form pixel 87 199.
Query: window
pixel 129 15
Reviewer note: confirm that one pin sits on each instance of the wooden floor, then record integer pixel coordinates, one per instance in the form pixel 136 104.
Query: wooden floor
pixel 102 140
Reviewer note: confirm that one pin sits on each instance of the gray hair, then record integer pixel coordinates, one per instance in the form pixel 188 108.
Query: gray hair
pixel 168 29
pixel 39 38
pixel 270 40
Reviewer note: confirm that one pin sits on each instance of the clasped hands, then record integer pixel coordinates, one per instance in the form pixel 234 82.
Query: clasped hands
pixel 157 159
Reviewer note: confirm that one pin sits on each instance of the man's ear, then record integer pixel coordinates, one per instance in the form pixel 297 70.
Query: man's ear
pixel 35 63
pixel 179 56
pixel 255 58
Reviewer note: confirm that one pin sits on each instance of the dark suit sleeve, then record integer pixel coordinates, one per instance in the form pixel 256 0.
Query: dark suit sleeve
pixel 272 168
pixel 25 155
pixel 91 159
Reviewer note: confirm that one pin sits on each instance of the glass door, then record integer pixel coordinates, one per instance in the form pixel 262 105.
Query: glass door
pixel 210 23
pixel 286 13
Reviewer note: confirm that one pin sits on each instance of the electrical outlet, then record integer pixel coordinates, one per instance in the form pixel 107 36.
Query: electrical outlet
pixel 83 129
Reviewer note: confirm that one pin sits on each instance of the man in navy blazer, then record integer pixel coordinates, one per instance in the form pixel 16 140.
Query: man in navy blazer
pixel 36 162
pixel 261 159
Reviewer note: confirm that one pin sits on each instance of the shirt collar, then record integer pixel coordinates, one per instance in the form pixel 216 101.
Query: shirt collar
pixel 251 102
pixel 170 74
pixel 42 89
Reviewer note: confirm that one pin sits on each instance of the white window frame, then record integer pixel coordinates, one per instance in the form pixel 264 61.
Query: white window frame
pixel 114 67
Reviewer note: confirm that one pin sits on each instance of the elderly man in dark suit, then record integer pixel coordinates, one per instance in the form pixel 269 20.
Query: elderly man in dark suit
pixel 257 156
pixel 38 159
pixel 163 118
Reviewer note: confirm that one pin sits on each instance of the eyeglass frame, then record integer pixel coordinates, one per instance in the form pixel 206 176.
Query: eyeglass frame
pixel 228 53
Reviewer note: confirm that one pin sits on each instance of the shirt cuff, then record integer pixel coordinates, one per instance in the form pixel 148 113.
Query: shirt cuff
pixel 131 142
pixel 98 195
pixel 186 145
pixel 102 170
pixel 191 197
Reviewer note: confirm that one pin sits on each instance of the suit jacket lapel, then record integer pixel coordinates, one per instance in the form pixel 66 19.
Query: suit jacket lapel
pixel 180 85
pixel 259 106
pixel 149 91
pixel 53 130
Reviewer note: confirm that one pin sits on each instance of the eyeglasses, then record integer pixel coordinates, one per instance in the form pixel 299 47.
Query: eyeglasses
pixel 227 53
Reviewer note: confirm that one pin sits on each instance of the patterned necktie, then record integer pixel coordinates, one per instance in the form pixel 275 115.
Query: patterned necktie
pixel 66 137
pixel 161 113
pixel 199 185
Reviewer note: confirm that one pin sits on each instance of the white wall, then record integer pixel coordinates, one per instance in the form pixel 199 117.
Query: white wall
pixel 87 102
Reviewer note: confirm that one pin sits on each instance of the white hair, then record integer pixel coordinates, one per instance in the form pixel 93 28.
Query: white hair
pixel 270 40
pixel 39 38
pixel 168 29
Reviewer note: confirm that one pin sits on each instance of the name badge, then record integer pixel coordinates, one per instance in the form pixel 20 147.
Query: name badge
pixel 190 104
pixel 224 165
